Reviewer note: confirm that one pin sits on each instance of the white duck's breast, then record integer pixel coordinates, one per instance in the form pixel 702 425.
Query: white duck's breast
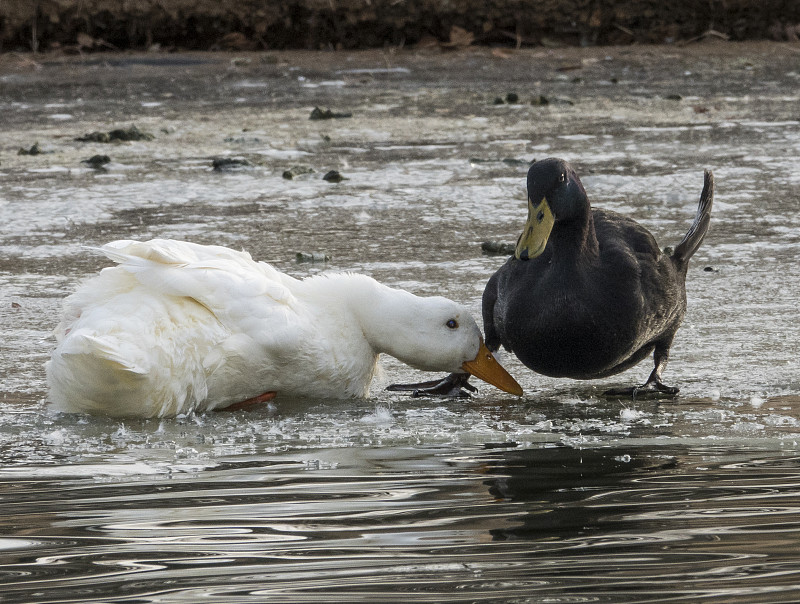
pixel 315 348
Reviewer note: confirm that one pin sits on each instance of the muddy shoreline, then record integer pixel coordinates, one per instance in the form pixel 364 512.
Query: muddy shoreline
pixel 98 25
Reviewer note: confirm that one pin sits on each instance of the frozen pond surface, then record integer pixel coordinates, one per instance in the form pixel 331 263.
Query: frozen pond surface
pixel 563 496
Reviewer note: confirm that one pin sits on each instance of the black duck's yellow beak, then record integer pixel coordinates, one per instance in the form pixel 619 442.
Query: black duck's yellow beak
pixel 537 229
pixel 486 368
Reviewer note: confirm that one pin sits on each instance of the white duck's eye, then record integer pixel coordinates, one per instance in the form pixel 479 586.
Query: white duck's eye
pixel 452 324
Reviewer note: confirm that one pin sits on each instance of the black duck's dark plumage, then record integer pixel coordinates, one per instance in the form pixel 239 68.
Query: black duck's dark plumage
pixel 588 293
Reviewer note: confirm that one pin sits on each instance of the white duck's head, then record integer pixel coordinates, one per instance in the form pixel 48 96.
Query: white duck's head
pixel 431 334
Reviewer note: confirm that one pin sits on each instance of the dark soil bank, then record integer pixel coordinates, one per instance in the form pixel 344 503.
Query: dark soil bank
pixel 320 24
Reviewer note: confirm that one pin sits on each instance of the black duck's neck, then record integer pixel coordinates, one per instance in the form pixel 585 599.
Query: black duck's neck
pixel 575 237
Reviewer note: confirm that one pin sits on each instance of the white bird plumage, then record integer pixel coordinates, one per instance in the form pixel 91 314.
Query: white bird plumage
pixel 178 327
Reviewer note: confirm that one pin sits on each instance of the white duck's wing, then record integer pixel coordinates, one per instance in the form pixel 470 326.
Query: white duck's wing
pixel 243 294
pixel 215 276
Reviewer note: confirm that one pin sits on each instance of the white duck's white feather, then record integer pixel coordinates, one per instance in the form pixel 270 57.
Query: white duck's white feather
pixel 178 327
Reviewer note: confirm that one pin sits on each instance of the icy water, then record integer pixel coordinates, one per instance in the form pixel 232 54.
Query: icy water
pixel 562 496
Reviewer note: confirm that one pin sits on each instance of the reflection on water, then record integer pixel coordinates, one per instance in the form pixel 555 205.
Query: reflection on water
pixel 562 496
pixel 609 524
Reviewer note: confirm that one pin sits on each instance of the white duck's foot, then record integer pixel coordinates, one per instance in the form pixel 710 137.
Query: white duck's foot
pixel 261 398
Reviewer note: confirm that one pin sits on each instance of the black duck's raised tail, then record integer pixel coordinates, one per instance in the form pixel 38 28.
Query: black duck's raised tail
pixel 697 232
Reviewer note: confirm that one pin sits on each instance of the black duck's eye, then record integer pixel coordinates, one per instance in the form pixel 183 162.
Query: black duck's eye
pixel 562 177
pixel 452 324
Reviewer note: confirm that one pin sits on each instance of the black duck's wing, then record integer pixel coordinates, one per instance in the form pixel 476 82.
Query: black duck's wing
pixel 617 231
pixel 646 288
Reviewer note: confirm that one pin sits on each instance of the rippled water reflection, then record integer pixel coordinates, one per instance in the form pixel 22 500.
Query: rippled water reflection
pixel 564 496
pixel 437 524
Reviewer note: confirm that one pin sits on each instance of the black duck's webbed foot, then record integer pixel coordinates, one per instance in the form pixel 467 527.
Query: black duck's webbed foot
pixel 649 388
pixel 653 385
pixel 454 385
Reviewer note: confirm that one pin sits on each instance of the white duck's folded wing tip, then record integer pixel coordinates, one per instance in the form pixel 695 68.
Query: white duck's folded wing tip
pixel 100 349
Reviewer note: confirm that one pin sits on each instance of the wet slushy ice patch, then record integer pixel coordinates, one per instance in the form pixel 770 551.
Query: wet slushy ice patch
pixel 564 495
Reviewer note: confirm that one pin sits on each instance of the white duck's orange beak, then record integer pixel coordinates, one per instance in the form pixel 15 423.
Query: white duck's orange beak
pixel 486 368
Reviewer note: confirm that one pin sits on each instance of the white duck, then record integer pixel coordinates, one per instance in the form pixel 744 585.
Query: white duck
pixel 179 327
